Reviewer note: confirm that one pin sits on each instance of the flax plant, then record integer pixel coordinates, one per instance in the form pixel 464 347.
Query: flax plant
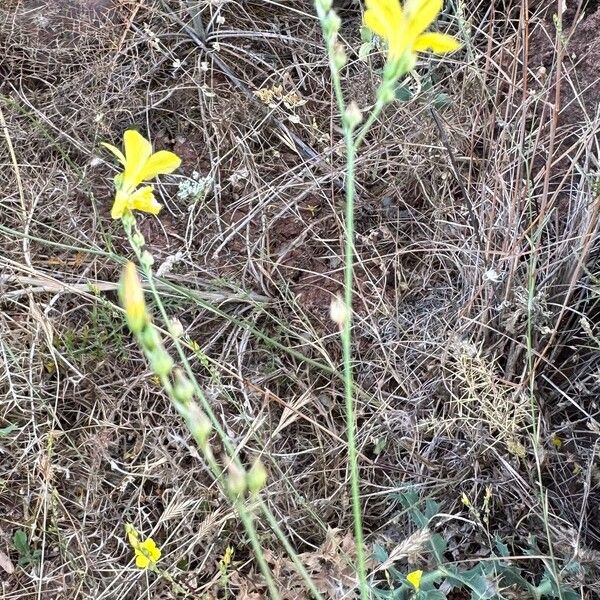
pixel 242 487
pixel 403 28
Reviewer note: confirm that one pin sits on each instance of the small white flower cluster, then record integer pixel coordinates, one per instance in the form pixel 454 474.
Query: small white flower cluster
pixel 195 188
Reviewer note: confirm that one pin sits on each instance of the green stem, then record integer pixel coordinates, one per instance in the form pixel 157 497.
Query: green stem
pixel 360 136
pixel 288 548
pixel 346 333
pixel 347 359
pixel 248 523
pixel 245 516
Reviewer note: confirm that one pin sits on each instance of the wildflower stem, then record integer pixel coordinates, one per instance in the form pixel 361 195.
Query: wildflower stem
pixel 134 235
pixel 288 548
pixel 346 332
pixel 347 359
pixel 373 116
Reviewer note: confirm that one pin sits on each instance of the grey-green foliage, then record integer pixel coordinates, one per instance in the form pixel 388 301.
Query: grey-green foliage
pixel 485 581
pixel 27 556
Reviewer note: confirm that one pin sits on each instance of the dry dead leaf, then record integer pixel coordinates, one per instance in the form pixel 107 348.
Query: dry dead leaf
pixel 6 563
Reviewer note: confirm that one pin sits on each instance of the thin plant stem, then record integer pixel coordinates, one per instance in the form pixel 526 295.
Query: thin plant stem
pixel 239 506
pixel 373 116
pixel 245 515
pixel 347 359
pixel 346 333
pixel 288 548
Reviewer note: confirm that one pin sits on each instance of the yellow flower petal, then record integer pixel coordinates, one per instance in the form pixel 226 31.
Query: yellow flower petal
pixel 141 561
pixel 137 152
pixel 160 163
pixel 120 156
pixel 120 205
pixel 421 14
pixel 439 43
pixel 383 17
pixel 144 200
pixel 137 147
pixel 372 20
pixel 414 578
pixel 147 553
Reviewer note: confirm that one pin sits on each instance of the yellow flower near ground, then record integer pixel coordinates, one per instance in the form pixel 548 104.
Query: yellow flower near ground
pixel 147 552
pixel 140 164
pixel 404 29
pixel 414 578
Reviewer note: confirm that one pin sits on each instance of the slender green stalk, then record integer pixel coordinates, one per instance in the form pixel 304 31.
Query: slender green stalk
pixel 330 22
pixel 532 378
pixel 348 371
pixel 134 236
pixel 371 119
pixel 288 548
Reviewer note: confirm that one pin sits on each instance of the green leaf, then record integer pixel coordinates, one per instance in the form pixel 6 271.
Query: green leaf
pixel 501 547
pixel 433 595
pixel 453 576
pixel 442 101
pixel 510 575
pixel 570 594
pixel 5 431
pixel 403 93
pixel 21 544
pixel 408 499
pixel 432 508
pixel 380 554
pixel 364 51
pixel 438 546
pixel 573 567
pixel 365 35
pixel 482 588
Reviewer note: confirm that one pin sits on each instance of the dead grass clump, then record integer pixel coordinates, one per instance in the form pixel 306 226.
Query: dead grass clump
pixel 477 261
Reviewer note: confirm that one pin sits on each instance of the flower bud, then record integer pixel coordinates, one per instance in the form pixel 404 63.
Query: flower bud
pixel 199 424
pixel 324 5
pixel 257 477
pixel 352 116
pixel 236 481
pixel 339 56
pixel 160 362
pixel 331 25
pixel 132 299
pixel 147 259
pixel 183 389
pixel 338 311
pixel 175 327
pixel 149 338
pixel 138 240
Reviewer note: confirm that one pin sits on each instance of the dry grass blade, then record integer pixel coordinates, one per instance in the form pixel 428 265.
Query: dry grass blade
pixel 477 292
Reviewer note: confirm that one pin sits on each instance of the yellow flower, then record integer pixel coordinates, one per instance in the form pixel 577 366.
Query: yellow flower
pixel 414 578
pixel 140 164
pixel 147 552
pixel 404 29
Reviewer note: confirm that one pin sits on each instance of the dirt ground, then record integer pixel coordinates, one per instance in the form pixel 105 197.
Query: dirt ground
pixel 477 338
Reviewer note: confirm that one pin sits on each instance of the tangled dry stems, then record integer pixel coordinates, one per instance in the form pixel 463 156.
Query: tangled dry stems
pixel 445 248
